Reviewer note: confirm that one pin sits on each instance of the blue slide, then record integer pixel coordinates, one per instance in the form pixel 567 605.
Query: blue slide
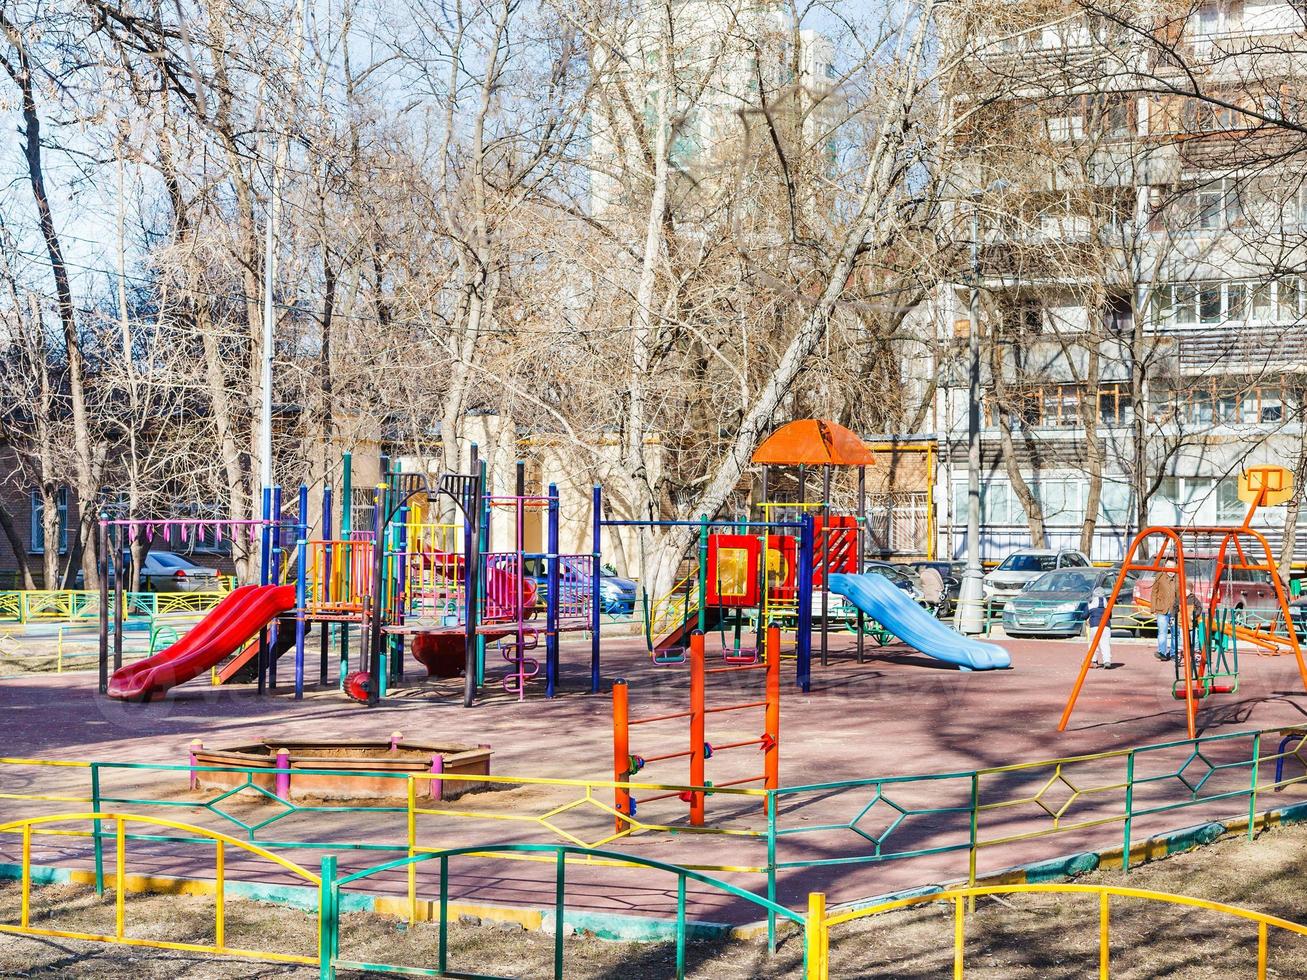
pixel 888 605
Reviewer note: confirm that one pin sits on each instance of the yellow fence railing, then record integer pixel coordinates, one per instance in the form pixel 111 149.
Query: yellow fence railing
pixel 820 922
pixel 83 606
pixel 106 824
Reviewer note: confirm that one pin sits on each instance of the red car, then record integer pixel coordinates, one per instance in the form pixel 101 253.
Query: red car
pixel 1239 589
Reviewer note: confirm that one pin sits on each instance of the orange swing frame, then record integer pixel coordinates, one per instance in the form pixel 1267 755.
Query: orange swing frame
pixel 1260 486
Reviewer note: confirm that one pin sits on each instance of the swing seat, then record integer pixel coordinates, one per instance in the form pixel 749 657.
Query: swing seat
pixel 744 655
pixel 1200 691
pixel 669 657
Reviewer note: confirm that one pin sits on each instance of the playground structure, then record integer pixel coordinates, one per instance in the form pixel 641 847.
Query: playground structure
pixel 1206 657
pixel 627 765
pixel 443 589
pixel 443 585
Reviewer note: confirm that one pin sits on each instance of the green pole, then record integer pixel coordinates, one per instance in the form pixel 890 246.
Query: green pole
pixel 680 927
pixel 442 954
pixel 772 800
pixel 1129 811
pixel 560 870
pixel 346 500
pixel 328 921
pixel 99 843
pixel 1252 791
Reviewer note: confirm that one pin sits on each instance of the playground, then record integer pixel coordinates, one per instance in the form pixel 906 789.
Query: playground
pixel 456 733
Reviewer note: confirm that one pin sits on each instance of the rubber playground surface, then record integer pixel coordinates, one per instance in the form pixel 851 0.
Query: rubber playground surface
pixel 898 714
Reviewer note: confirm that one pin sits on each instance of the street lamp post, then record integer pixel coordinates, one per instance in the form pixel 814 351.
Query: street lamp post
pixel 971 597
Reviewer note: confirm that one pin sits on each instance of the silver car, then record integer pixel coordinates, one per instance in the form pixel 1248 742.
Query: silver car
pixel 163 571
pixel 1022 567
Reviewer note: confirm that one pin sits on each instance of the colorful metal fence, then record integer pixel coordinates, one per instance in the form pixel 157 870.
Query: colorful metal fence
pixel 81 606
pixel 816 925
pixel 819 923
pixel 557 855
pixel 117 822
pixel 945 826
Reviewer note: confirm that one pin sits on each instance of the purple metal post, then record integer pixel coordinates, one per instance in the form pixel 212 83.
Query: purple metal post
pixel 395 739
pixel 283 774
pixel 437 768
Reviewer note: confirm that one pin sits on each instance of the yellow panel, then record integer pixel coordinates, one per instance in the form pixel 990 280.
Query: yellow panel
pixel 732 571
pixel 1276 480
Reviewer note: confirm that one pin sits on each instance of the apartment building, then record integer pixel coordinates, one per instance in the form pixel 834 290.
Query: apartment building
pixel 1140 273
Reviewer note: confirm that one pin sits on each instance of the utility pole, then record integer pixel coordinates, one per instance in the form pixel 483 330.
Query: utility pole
pixel 971 597
pixel 270 265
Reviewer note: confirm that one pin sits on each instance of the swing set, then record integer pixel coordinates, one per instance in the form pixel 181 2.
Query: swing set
pixel 1207 660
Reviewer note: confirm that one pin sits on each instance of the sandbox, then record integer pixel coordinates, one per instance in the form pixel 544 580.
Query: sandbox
pixel 291 766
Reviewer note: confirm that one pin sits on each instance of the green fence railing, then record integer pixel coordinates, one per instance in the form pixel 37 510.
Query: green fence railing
pixel 938 827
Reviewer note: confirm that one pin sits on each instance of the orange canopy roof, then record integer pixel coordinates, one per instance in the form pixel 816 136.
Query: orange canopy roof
pixel 814 442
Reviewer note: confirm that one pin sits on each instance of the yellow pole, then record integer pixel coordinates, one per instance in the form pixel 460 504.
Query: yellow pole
pixel 219 889
pixel 959 935
pixel 817 938
pixel 1261 951
pixel 27 875
pixel 1104 938
pixel 120 880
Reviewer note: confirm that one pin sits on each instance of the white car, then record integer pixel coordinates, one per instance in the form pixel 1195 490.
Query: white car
pixel 1020 568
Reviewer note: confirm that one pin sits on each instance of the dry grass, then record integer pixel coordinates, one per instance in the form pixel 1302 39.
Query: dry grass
pixel 1021 938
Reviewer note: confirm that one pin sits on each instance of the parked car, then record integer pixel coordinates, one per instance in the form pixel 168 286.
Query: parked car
pixel 951 572
pixel 1125 614
pixel 1251 591
pixel 617 595
pixel 1021 567
pixel 840 610
pixel 1056 603
pixel 164 571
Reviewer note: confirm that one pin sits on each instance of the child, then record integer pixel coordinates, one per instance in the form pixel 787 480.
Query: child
pixel 1097 610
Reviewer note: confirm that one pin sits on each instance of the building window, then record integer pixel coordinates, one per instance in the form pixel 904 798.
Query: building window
pixel 1059 406
pixel 1113 404
pixel 37 527
pixel 1216 403
pixel 1187 304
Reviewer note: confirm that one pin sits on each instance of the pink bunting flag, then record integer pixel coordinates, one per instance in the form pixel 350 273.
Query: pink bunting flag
pixel 184 532
pixel 217 533
pixel 149 532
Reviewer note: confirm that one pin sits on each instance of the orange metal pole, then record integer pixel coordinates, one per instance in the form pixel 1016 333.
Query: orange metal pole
pixel 1190 706
pixel 772 749
pixel 621 750
pixel 697 735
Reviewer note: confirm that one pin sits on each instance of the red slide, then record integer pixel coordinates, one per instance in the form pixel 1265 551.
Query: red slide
pixel 221 633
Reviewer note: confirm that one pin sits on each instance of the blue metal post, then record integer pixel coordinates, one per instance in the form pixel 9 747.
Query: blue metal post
pixel 401 581
pixel 323 626
pixel 275 629
pixel 803 641
pixel 265 576
pixel 551 596
pixel 596 507
pixel 301 587
pixel 265 539
pixel 483 529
